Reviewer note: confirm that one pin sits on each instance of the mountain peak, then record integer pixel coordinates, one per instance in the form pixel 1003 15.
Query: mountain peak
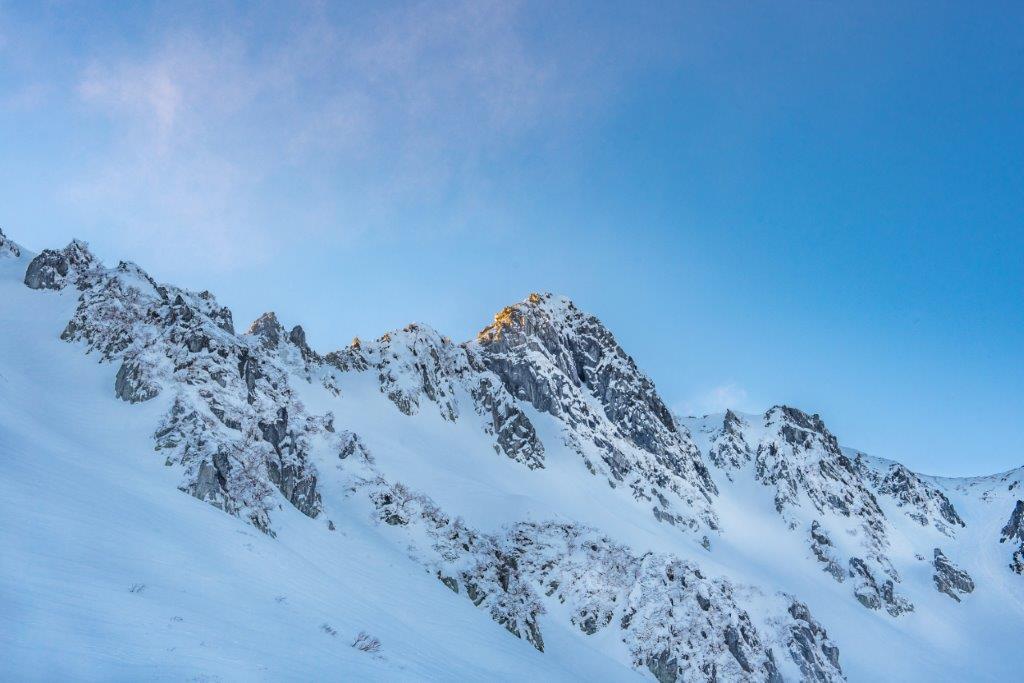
pixel 268 329
pixel 554 307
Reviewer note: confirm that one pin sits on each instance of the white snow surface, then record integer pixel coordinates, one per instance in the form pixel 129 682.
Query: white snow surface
pixel 109 572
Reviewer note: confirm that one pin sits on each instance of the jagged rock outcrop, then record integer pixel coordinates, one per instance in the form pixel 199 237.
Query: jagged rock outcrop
pixel 267 329
pixel 545 351
pixel 132 383
pixel 8 248
pixel 729 448
pixel 824 550
pixel 241 438
pixel 800 457
pixel 809 646
pixel 949 578
pixel 234 426
pixel 921 501
pixel 417 366
pixel 514 434
pixel 875 593
pixel 55 269
pixel 1014 531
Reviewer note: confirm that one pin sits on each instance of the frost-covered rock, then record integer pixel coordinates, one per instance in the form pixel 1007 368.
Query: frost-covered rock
pixel 920 500
pixel 8 248
pixel 809 646
pixel 1014 532
pixel 563 362
pixel 676 623
pixel 800 458
pixel 875 593
pixel 417 366
pixel 132 383
pixel 949 578
pixel 813 480
pixel 55 269
pixel 267 329
pixel 545 354
pixel 235 427
pixel 729 448
pixel 825 552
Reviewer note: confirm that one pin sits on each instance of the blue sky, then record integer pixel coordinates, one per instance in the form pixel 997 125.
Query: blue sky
pixel 819 204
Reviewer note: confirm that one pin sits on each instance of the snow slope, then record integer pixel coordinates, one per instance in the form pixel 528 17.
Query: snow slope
pixel 533 468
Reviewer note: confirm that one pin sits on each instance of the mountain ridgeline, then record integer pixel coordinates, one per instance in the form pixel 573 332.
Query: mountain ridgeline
pixel 709 548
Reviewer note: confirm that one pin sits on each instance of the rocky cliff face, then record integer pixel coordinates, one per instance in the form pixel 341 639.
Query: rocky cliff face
pixel 547 352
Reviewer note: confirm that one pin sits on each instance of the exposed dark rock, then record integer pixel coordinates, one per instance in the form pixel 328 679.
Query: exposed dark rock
pixel 664 667
pixel 8 249
pixel 54 269
pixel 814 653
pixel 515 435
pixel 822 547
pixel 132 384
pixel 1014 531
pixel 950 579
pixel 729 448
pixel 924 503
pixel 546 352
pixel 48 270
pixel 235 428
pixel 875 594
pixel 298 339
pixel 267 329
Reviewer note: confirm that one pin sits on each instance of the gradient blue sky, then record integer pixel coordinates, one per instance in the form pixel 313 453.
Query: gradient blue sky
pixel 812 203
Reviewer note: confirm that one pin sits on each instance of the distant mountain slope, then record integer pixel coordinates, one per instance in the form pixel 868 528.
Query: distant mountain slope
pixel 522 504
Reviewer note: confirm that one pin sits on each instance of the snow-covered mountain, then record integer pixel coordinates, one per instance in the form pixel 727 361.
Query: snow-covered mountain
pixel 181 500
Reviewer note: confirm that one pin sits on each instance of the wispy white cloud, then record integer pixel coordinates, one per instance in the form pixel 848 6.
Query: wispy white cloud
pixel 334 125
pixel 717 399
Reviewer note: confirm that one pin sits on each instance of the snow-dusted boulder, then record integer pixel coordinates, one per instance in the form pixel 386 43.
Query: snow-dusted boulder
pixel 949 578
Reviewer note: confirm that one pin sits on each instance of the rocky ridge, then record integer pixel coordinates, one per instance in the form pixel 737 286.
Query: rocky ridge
pixel 676 622
pixel 235 429
pixel 233 425
pixel 816 488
